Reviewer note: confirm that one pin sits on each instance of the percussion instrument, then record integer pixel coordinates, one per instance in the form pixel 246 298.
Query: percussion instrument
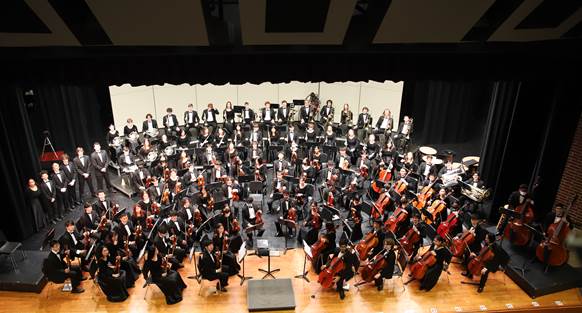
pixel 427 150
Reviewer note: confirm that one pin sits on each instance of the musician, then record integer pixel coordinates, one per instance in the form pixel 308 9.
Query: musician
pixel 420 228
pixel 519 197
pixel 256 135
pixel 57 270
pixel 60 183
pixel 351 265
pixel 82 165
pixel 279 186
pixel 168 280
pixel 475 182
pixel 217 172
pixel 100 162
pixel 556 215
pixel 255 152
pixel 346 118
pixel 139 216
pixel 388 152
pixel 355 219
pixel 111 279
pixel 479 233
pixel 442 196
pixel 126 160
pixel 221 138
pixel 305 114
pixel 129 128
pixel 126 232
pixel 326 112
pixel 364 121
pixel 284 206
pixel 228 116
pixel 249 215
pixel 209 117
pixel 329 137
pixel 163 242
pixel 145 149
pixel 342 157
pixel 210 267
pixel 443 258
pixel 154 191
pixel 329 235
pixel 372 148
pixel 327 172
pixel 352 144
pixel 71 175
pixel 89 220
pixel 409 181
pixel 177 227
pixel 72 240
pixel 208 157
pixel 281 165
pixel 427 167
pixel 283 113
pixel 221 240
pixel 183 139
pixel 500 258
pixel 291 135
pixel 307 170
pixel 267 114
pixel 310 134
pixel 390 260
pixel 170 122
pixel 191 119
pixel 114 149
pixel 364 160
pixel 408 163
pixel 247 115
pixel 149 124
pixel 385 122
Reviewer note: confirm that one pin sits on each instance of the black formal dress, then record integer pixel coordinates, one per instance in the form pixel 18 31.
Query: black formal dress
pixel 113 286
pixel 38 208
pixel 434 273
pixel 170 283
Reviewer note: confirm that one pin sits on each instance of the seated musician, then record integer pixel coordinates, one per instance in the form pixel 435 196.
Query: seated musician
pixel 129 128
pixel 443 258
pixel 500 258
pixel 329 136
pixel 351 264
pixel 476 182
pixel 283 113
pixel 72 240
pixel 479 232
pixel 89 220
pixel 110 277
pixel 285 206
pixel 310 133
pixel 57 270
pixel 126 160
pixel 177 227
pixel 420 228
pixel 280 164
pixel 385 122
pixel 372 147
pixel 221 138
pixel 217 172
pixel 408 162
pixel 327 113
pixel 307 170
pixel 221 241
pixel 327 172
pixel 167 279
pixel 210 267
pixel 279 186
pixel 311 225
pixel 443 198
pixel 139 216
pixel 291 135
pixel 170 122
pixel 249 219
pixel 164 244
pixel 390 260
pixel 205 138
pixel 355 221
pixel 140 176
pixel 431 180
pixel 255 152
pixel 256 135
pixel 231 188
pixel 364 160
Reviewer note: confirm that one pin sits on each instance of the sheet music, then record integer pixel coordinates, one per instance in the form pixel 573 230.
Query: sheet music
pixel 307 249
pixel 242 252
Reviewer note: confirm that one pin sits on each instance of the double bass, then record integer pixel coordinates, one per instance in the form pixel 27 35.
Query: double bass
pixel 516 230
pixel 556 254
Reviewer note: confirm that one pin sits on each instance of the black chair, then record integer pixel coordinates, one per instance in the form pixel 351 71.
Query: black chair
pixel 203 279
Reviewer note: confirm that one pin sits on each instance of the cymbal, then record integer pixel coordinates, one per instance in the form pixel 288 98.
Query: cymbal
pixel 471 158
pixel 457 164
pixel 427 150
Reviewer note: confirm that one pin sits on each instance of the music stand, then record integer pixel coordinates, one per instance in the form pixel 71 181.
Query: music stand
pixel 263 248
pixel 288 225
pixel 307 252
pixel 242 253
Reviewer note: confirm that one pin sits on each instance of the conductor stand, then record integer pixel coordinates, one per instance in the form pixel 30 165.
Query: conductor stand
pixel 307 251
pixel 242 253
pixel 263 250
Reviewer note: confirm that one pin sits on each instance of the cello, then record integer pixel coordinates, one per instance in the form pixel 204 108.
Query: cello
pixel 425 194
pixel 380 205
pixel 326 276
pixel 478 263
pixel 409 240
pixel 446 226
pixel 367 244
pixel 374 266
pixel 397 218
pixel 419 268
pixel 460 244
pixel 556 254
pixel 317 248
pixel 384 176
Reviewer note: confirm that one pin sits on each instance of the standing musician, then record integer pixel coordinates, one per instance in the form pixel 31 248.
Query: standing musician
pixel 210 266
pixel 283 113
pixel 71 174
pixel 83 166
pixel 100 162
pixel 305 115
pixel 364 121
pixel 191 119
pixel 228 117
pixel 60 182
pixel 402 137
pixel 350 261
pixel 326 113
pixel 248 115
pixel 149 124
pixel 170 122
pixel 516 198
pixel 346 118
pixel 209 117
pixel 267 114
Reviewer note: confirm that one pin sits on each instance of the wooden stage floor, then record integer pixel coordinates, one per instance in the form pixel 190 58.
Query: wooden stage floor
pixel 448 296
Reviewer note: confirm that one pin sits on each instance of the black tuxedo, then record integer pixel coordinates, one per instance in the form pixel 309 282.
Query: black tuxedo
pixel 422 169
pixel 100 208
pixel 304 115
pixel 206 113
pixel 283 114
pixel 84 167
pixel 294 139
pixel 325 115
pixel 61 183
pixel 71 174
pixel 271 115
pixel 54 269
pixel 381 120
pixel 361 122
pixel 144 126
pixel 98 165
pixel 50 194
pixel 156 193
pixel 208 267
pixel 514 199
pixel 67 242
pixel 256 136
pixel 251 116
pixel 280 165
pixel 87 222
pixel 195 118
pixel 167 118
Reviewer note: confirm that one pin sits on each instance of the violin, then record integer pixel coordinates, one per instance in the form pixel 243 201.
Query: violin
pixel 355 216
pixel 292 214
pixel 166 174
pixel 156 208
pixel 330 199
pixel 419 268
pixel 554 241
pixel 149 223
pixel 394 221
pixel 326 277
pixel 102 224
pixel 210 204
pixel 148 182
pixel 86 238
pixel 138 232
pixel 235 195
pixel 235 226
pixel 165 197
pixel 409 240
pixel 478 263
pixel 259 217
pixel 178 188
pixel 369 242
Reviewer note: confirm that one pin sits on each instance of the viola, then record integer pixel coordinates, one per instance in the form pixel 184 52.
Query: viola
pixel 138 232
pixel 148 182
pixel 478 263
pixel 419 268
pixel 156 208
pixel 460 244
pixel 554 242
pixel 149 223
pixel 166 174
pixel 292 214
pixel 369 242
pixel 326 277
pixel 200 182
pixel 374 266
pixel 394 221
pixel 259 217
pixel 409 240
pixel 235 226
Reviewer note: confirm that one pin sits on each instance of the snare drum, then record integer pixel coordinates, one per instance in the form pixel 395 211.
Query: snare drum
pixel 133 136
pixel 154 132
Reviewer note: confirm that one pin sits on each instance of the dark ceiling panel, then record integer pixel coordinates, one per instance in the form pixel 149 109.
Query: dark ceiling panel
pixel 296 16
pixel 82 22
pixel 17 17
pixel 492 19
pixel 550 14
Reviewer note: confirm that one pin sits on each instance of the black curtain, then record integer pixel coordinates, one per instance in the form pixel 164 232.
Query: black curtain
pixel 74 116
pixel 527 139
pixel 446 111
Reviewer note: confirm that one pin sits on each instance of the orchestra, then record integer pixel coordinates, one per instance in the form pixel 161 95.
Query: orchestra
pixel 357 184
